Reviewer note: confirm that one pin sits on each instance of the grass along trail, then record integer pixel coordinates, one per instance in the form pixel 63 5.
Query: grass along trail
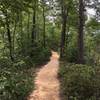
pixel 47 85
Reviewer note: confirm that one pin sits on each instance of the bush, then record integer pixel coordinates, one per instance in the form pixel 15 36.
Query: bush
pixel 71 54
pixel 16 78
pixel 15 84
pixel 40 55
pixel 5 63
pixel 80 82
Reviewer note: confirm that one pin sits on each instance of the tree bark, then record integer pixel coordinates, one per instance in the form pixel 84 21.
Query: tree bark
pixel 81 32
pixel 44 37
pixel 34 23
pixel 28 26
pixel 9 37
pixel 63 33
pixel 13 43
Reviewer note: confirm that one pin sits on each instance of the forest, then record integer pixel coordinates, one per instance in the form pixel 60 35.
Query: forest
pixel 62 36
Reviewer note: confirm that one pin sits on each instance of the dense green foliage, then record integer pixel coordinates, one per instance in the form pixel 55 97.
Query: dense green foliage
pixel 16 78
pixel 80 82
pixel 21 46
pixel 40 55
pixel 30 29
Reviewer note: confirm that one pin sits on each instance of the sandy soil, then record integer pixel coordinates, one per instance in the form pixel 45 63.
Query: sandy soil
pixel 46 82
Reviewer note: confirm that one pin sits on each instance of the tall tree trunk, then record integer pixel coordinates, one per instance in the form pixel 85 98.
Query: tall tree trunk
pixel 67 36
pixel 44 37
pixel 81 32
pixel 13 43
pixel 28 26
pixel 34 23
pixel 3 38
pixel 63 33
pixel 21 29
pixel 21 44
pixel 33 34
pixel 9 37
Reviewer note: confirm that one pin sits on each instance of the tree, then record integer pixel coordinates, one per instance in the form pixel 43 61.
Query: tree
pixel 9 35
pixel 44 34
pixel 81 32
pixel 64 14
pixel 34 22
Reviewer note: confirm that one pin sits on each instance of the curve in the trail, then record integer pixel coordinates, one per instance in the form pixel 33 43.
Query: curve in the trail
pixel 46 82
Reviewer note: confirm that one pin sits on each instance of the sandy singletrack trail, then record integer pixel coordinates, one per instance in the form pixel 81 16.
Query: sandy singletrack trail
pixel 47 85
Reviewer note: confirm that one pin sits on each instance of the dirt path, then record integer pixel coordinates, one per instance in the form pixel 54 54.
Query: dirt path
pixel 47 84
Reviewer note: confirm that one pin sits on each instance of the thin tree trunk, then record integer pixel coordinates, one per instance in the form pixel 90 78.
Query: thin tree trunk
pixel 3 37
pixel 44 37
pixel 28 26
pixel 63 33
pixel 81 32
pixel 34 24
pixel 13 43
pixel 9 37
pixel 21 28
pixel 67 36
pixel 33 34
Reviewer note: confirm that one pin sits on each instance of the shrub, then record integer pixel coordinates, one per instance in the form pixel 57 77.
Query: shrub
pixel 15 84
pixel 40 55
pixel 80 82
pixel 5 63
pixel 71 54
pixel 16 78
